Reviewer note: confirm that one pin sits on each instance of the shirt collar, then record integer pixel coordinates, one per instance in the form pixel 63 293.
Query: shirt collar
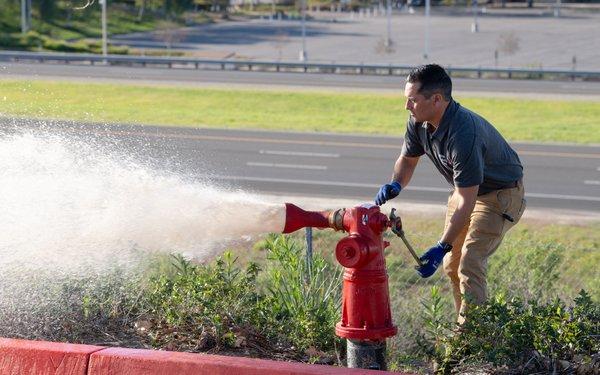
pixel 442 129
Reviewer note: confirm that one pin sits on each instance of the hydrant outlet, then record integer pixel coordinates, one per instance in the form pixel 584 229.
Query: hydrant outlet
pixel 297 218
pixel 351 251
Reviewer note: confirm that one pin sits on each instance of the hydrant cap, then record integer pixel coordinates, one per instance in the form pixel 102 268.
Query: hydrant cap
pixel 351 251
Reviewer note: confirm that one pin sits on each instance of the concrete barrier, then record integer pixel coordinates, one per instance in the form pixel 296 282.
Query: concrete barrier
pixel 22 357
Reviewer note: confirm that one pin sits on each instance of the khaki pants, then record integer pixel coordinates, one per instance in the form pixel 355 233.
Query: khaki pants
pixel 466 265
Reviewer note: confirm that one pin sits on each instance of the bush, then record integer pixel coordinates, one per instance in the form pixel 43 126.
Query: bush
pixel 525 337
pixel 63 46
pixel 204 307
pixel 305 295
pixel 221 307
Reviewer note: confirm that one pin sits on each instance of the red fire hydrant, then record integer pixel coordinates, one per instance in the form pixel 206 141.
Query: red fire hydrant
pixel 366 316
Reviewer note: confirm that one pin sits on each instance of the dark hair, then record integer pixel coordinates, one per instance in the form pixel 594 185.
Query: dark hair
pixel 433 79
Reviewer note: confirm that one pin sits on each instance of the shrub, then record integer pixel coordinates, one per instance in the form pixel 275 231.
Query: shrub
pixel 524 337
pixel 204 307
pixel 305 295
pixel 219 306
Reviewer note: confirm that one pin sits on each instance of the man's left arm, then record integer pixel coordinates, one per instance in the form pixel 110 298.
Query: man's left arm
pixel 466 198
pixel 467 156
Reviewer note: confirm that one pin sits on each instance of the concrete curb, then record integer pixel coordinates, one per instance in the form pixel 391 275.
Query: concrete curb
pixel 23 357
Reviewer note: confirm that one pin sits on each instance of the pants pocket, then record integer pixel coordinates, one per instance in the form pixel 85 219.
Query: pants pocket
pixel 521 210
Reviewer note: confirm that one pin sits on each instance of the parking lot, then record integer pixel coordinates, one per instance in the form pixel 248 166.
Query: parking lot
pixel 507 37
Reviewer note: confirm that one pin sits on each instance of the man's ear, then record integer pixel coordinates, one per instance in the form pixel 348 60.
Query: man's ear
pixel 437 98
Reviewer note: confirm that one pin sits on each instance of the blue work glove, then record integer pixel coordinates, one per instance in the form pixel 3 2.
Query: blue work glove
pixel 387 192
pixel 432 259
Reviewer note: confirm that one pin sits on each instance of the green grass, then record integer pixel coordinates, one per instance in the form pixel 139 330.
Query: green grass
pixel 84 23
pixel 371 113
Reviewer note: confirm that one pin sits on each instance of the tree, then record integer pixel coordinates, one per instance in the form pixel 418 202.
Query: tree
pixel 147 5
pixel 46 9
pixel 508 43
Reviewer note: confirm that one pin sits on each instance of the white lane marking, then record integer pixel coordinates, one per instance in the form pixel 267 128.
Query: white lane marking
pixel 376 186
pixel 325 183
pixel 316 143
pixel 563 196
pixel 294 166
pixel 298 153
pixel 591 182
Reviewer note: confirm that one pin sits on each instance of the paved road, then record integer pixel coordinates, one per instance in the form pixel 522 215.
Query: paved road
pixel 338 166
pixel 239 78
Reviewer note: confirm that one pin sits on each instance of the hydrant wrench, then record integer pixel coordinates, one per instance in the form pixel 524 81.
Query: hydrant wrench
pixel 396 225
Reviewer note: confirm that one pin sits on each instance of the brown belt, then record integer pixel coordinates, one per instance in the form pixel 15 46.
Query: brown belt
pixel 513 184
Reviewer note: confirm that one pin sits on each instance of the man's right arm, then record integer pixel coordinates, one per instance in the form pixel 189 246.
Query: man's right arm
pixel 405 165
pixel 404 168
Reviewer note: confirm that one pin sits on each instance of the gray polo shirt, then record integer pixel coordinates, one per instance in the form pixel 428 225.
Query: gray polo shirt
pixel 466 149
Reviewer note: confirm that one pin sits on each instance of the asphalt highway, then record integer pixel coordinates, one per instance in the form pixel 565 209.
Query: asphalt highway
pixel 310 80
pixel 325 165
pixel 332 165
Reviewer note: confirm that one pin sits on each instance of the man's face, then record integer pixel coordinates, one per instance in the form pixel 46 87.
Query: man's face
pixel 421 108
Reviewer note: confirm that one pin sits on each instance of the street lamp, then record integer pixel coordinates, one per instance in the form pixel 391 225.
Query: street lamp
pixel 388 40
pixel 104 42
pixel 475 24
pixel 25 15
pixel 303 56
pixel 427 10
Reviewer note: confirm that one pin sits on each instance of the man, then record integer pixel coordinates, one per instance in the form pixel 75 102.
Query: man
pixel 483 169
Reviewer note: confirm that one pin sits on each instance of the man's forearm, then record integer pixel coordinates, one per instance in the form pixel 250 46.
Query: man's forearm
pixel 461 216
pixel 404 169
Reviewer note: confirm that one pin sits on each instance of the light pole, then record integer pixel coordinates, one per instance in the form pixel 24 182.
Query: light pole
pixel 475 24
pixel 557 9
pixel 427 10
pixel 303 51
pixel 388 40
pixel 25 15
pixel 104 41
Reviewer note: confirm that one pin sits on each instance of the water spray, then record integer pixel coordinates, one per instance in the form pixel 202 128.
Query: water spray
pixel 366 316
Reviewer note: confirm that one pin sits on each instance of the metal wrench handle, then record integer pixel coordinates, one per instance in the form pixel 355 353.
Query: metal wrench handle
pixel 411 250
pixel 396 224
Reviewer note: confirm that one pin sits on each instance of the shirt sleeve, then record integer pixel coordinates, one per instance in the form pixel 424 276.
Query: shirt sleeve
pixel 467 160
pixel 412 146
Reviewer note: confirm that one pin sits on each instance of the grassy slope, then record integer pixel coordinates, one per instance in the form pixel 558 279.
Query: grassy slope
pixel 517 119
pixel 85 23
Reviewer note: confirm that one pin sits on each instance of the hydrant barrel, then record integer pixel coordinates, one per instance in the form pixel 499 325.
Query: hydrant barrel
pixel 366 313
pixel 366 316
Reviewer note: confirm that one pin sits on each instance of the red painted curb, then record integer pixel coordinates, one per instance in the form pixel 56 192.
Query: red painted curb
pixel 152 362
pixel 22 357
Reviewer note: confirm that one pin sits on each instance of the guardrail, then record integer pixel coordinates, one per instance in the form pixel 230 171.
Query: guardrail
pixel 281 66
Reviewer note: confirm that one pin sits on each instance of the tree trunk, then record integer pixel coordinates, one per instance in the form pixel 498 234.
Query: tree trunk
pixel 142 10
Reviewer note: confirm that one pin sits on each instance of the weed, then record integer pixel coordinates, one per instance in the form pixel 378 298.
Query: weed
pixel 306 295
